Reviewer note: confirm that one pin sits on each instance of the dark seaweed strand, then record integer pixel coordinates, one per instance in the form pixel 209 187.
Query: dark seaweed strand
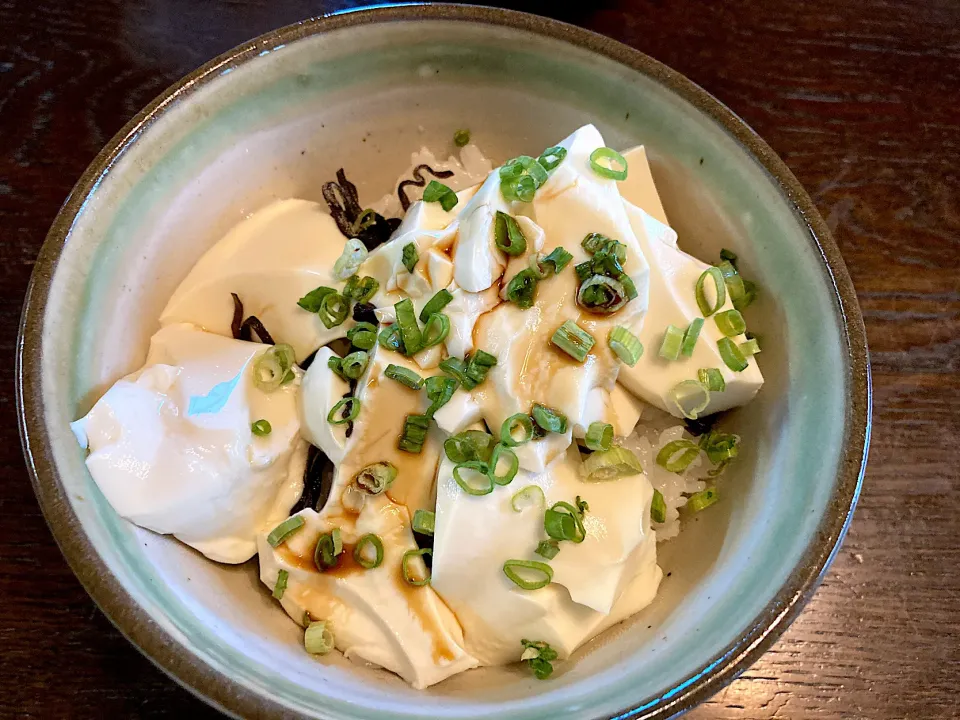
pixel 317 481
pixel 346 408
pixel 344 204
pixel 237 317
pixel 701 426
pixel 253 323
pixel 365 312
pixel 418 181
pixel 308 361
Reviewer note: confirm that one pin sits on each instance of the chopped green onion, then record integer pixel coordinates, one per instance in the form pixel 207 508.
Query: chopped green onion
pixel 728 255
pixel 720 447
pixel 410 256
pixel 360 290
pixel 351 413
pixel 690 337
pixel 731 355
pixel 510 425
pixel 404 376
pixel 481 472
pixel 438 192
pixel 284 530
pixel 353 499
pixel 414 433
pixel 469 445
pixel 508 236
pixel 690 398
pixel 608 168
pixel 559 258
pixel 261 428
pixel 584 270
pixel 733 281
pixel 423 522
pixel 513 465
pixel 410 556
pixel 549 419
pixel 712 379
pixel 541 572
pixel 311 301
pixel 702 500
pixel 376 478
pixel 367 218
pixel 409 329
pixel 538 654
pixel 390 338
pixel 520 178
pixel 730 323
pixel 361 552
pixel 363 335
pixel 527 497
pixel 564 522
pixel 436 330
pixel 749 295
pixel 573 340
pixel 435 304
pixel 336 364
pixel 750 347
pixel 658 507
pixel 720 292
pixel 594 242
pixel 677 455
pixel 611 464
pixel 672 343
pixel 353 365
pixel 629 286
pixel 274 368
pixel 602 295
pixel 354 253
pixel 625 344
pixel 479 365
pixel 458 369
pixel 551 157
pixel 522 288
pixel 334 309
pixel 540 270
pixel 281 585
pixel 461 138
pixel 599 436
pixel 318 638
pixel 439 391
pixel 582 506
pixel 328 550
pixel 548 549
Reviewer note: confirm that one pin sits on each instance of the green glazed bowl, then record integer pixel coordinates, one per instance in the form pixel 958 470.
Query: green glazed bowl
pixel 275 118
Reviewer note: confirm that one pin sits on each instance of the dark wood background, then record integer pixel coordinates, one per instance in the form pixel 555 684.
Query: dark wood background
pixel 861 99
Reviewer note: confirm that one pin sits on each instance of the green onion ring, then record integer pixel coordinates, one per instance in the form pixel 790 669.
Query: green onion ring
pixel 408 556
pixel 685 390
pixel 731 355
pixel 528 496
pixel 482 470
pixel 599 436
pixel 690 337
pixel 352 413
pixel 510 568
pixel 435 330
pixel 285 530
pixel 610 155
pixel 502 451
pixel 368 540
pixel 521 420
pixel 677 455
pixel 706 309
pixel 404 376
pixel 334 309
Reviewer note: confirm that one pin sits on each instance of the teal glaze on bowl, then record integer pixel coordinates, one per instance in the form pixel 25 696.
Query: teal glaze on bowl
pixel 276 118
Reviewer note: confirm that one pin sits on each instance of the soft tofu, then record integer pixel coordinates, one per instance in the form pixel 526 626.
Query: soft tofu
pixel 321 389
pixel 589 579
pixel 639 187
pixel 270 260
pixel 196 400
pixel 617 407
pixel 375 615
pixel 673 277
pixel 464 310
pixel 478 263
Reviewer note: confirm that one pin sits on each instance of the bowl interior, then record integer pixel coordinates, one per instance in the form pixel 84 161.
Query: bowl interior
pixel 363 97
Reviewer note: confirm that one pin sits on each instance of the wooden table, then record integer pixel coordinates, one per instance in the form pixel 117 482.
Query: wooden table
pixel 860 98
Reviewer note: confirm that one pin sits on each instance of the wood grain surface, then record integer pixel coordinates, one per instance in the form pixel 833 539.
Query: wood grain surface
pixel 860 98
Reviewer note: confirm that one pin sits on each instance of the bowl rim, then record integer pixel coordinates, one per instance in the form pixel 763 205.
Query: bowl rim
pixel 231 696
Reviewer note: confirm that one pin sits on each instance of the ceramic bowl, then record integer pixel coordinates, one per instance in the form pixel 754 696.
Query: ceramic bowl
pixel 275 118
